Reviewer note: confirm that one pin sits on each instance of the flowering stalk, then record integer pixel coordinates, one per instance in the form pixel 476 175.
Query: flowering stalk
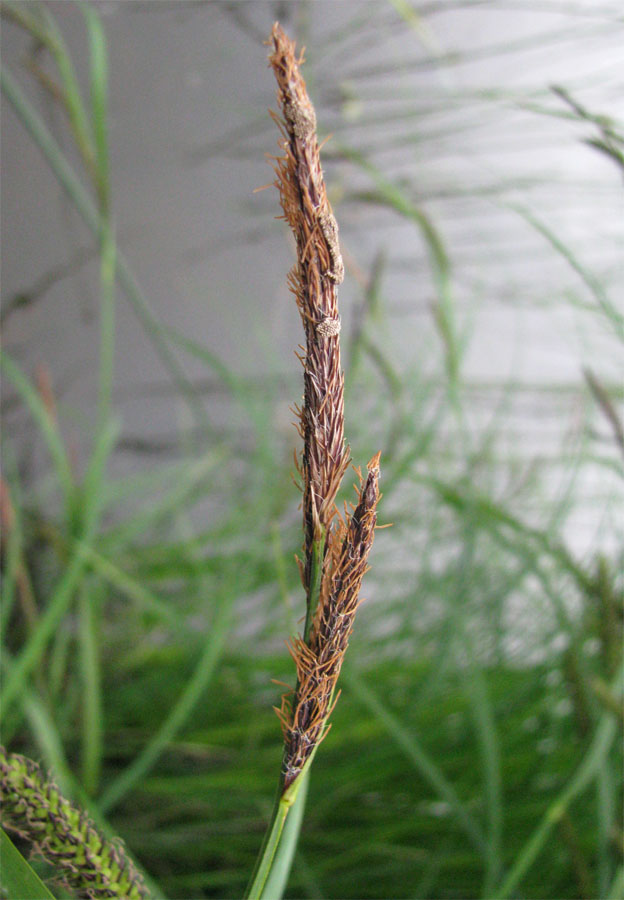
pixel 34 808
pixel 336 548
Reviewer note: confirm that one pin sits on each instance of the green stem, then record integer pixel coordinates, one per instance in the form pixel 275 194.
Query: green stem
pixel 314 592
pixel 280 840
pixel 89 651
pixel 275 858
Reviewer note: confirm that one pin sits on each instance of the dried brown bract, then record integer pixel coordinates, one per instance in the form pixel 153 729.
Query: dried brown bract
pixel 319 661
pixel 335 550
pixel 313 281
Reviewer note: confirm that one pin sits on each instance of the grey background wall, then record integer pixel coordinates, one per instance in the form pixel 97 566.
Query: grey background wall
pixel 458 108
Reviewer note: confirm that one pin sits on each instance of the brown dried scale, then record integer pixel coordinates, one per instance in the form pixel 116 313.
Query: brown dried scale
pixel 318 663
pixel 306 209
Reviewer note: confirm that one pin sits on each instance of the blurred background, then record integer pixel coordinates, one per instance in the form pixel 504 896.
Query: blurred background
pixel 149 520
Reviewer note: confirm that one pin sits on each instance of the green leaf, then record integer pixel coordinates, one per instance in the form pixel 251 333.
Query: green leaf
pixel 408 742
pixel 597 752
pixel 47 428
pixel 18 880
pixel 71 184
pixel 99 102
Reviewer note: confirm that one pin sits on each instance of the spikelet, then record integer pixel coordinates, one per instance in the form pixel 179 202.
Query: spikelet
pixel 345 542
pixel 34 808
pixel 313 281
pixel 319 662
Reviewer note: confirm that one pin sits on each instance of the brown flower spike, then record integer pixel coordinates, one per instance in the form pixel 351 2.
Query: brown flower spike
pixel 335 549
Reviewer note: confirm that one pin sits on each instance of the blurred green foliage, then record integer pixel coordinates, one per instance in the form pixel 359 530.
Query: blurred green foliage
pixel 476 750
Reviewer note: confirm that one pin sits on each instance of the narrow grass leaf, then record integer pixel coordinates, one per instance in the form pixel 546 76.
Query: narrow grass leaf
pixel 47 428
pixel 36 644
pixel 87 210
pixel 91 696
pixel 183 708
pixel 595 757
pixel 72 96
pixel 99 102
pixel 411 747
pixel 17 878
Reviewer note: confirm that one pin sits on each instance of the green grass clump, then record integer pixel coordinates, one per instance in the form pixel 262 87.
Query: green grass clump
pixel 476 751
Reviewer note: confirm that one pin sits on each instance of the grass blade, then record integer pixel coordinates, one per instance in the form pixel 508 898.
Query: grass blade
pixel 35 647
pixel 411 747
pixel 91 718
pixel 180 713
pixel 47 428
pixel 87 210
pixel 18 879
pixel 595 757
pixel 99 103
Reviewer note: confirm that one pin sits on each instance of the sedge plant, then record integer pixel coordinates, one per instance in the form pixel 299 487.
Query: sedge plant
pixel 335 548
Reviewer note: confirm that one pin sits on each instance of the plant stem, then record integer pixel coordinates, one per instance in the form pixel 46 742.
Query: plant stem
pixel 335 550
pixel 269 877
pixel 316 572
